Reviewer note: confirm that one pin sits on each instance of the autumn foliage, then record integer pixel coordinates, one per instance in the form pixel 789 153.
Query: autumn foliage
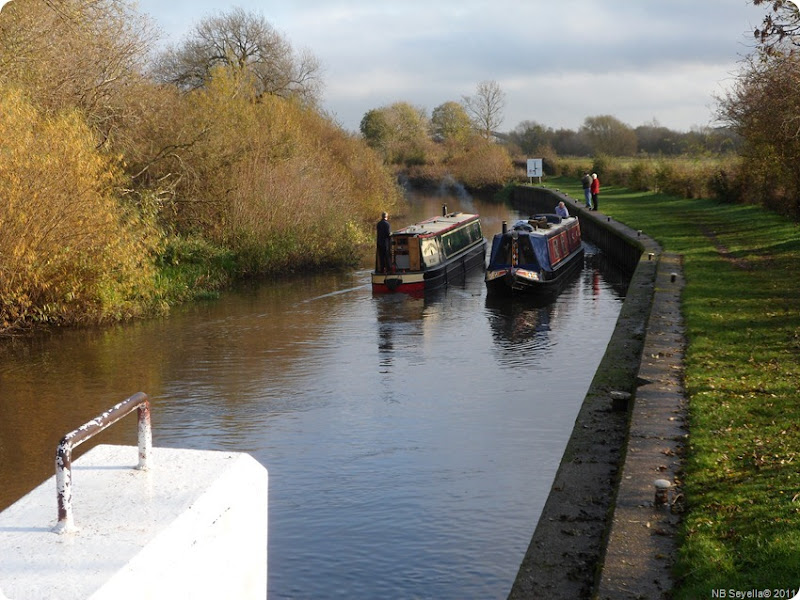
pixel 121 194
pixel 68 251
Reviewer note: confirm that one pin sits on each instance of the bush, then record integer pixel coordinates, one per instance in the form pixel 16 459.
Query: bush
pixel 263 169
pixel 600 164
pixel 687 177
pixel 69 250
pixel 640 177
pixel 483 165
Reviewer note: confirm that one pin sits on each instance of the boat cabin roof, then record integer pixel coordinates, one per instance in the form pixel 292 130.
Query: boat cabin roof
pixel 436 225
pixel 554 224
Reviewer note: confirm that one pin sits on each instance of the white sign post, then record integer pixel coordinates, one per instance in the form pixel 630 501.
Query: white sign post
pixel 535 168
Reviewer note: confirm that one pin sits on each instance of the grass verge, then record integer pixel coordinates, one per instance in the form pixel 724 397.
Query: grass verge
pixel 191 268
pixel 741 304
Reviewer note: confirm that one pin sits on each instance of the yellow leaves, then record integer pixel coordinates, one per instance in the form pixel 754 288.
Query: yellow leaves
pixel 64 234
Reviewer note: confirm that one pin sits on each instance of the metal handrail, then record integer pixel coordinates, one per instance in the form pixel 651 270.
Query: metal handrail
pixel 138 401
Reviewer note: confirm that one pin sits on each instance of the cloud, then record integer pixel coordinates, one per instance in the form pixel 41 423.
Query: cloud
pixel 558 62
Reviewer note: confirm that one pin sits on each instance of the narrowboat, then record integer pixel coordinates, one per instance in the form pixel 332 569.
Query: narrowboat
pixel 432 253
pixel 534 256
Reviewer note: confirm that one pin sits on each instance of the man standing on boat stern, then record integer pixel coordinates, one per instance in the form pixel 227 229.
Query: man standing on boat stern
pixel 586 182
pixel 561 210
pixel 384 253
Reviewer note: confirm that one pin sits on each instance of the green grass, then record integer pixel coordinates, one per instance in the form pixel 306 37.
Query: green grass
pixel 741 304
pixel 191 268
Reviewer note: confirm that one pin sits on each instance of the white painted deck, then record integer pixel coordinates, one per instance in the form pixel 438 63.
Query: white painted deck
pixel 194 525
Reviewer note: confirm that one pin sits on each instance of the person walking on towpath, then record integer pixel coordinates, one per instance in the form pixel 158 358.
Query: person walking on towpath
pixel 586 182
pixel 595 190
pixel 384 254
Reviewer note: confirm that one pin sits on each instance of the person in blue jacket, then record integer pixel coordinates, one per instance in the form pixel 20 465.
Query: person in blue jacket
pixel 586 182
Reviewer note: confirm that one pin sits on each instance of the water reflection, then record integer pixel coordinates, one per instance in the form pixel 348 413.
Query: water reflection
pixel 519 321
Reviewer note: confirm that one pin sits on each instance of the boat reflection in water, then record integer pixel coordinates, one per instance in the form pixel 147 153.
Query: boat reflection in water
pixel 514 321
pixel 523 324
pixel 419 317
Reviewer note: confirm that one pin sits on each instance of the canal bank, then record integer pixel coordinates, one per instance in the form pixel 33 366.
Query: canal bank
pixel 601 533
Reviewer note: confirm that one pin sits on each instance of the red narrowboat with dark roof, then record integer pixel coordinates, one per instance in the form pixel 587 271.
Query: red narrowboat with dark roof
pixel 432 253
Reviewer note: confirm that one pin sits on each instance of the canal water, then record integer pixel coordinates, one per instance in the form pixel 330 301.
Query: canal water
pixel 411 442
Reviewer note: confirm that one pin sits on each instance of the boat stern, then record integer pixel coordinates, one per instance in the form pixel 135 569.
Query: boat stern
pixel 513 278
pixel 384 283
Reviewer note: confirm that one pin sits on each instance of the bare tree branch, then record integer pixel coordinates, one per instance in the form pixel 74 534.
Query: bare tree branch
pixel 486 107
pixel 779 28
pixel 246 42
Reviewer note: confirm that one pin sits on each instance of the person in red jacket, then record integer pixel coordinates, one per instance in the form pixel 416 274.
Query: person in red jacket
pixel 595 189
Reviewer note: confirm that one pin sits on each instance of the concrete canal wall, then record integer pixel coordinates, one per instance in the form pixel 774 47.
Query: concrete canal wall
pixel 565 558
pixel 191 525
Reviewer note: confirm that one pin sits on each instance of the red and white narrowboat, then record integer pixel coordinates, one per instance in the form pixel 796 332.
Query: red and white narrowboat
pixel 432 253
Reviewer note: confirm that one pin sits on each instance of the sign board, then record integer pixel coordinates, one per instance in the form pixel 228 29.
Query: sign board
pixel 534 167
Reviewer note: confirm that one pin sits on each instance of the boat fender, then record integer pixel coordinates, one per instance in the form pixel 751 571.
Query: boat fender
pixel 393 283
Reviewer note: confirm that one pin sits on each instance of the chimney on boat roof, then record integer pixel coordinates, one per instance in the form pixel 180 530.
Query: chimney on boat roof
pixel 444 210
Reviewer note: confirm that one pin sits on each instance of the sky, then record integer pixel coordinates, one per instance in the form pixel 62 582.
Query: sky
pixel 557 61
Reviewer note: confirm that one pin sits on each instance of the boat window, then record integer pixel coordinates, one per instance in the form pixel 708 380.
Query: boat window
pixel 451 243
pixel 431 255
pixel 455 241
pixel 527 255
pixel 475 233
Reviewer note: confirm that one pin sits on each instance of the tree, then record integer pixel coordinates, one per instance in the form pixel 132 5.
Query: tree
pixel 486 107
pixel 764 108
pixel 375 128
pixel 245 42
pixel 482 164
pixel 409 123
pixel 654 138
pixel 780 28
pixel 568 142
pixel 399 131
pixel 530 136
pixel 609 135
pixel 451 123
pixel 86 54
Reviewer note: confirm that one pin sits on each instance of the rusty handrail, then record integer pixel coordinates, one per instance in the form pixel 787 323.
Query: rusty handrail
pixel 138 401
